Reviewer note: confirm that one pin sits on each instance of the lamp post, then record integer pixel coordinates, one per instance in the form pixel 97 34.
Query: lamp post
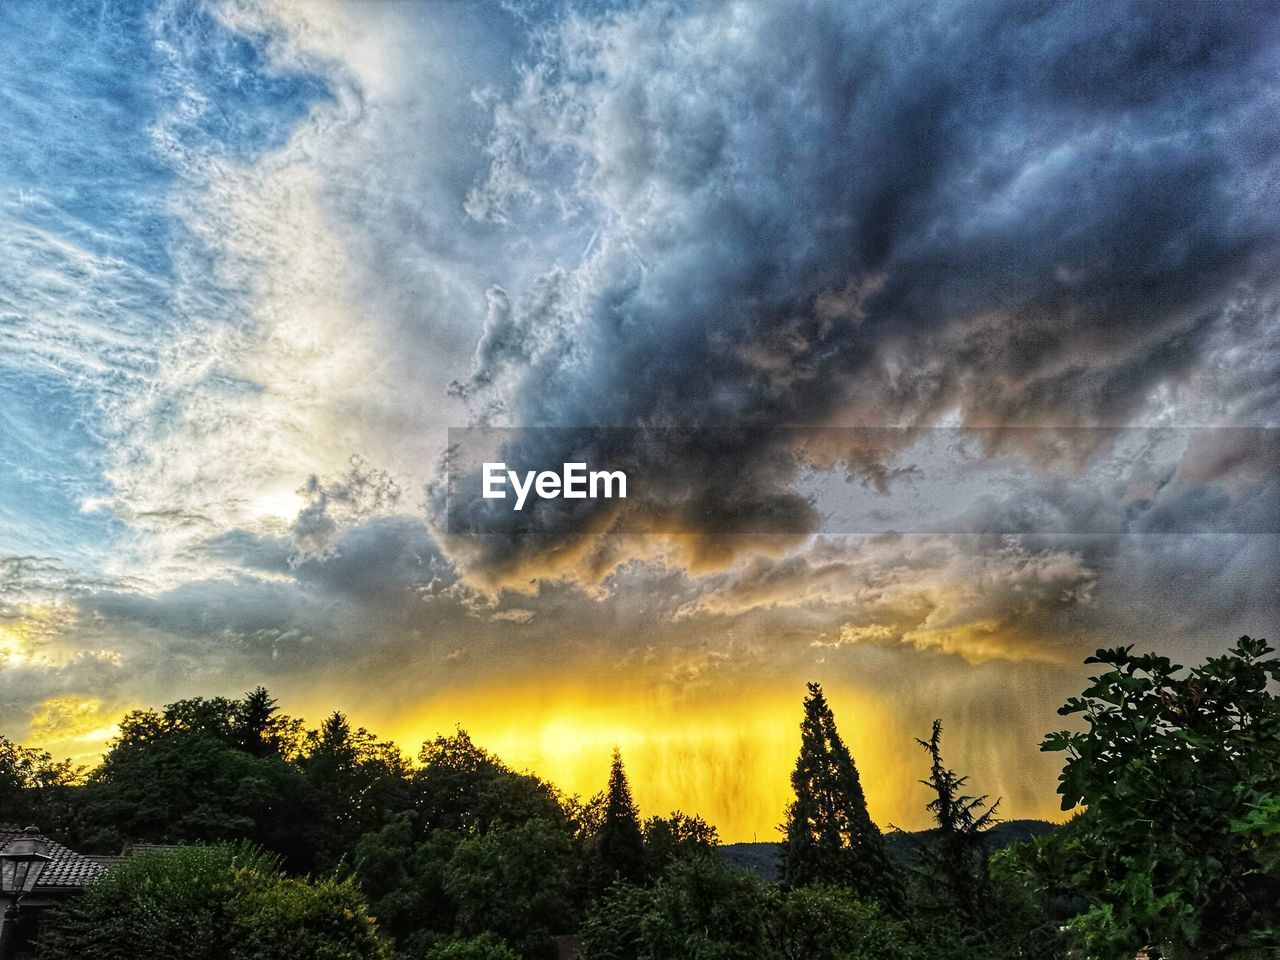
pixel 22 861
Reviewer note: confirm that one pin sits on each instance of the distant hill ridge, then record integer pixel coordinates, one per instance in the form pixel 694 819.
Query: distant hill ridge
pixel 762 858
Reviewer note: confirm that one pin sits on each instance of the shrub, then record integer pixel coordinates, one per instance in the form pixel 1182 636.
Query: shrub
pixel 217 902
pixel 826 923
pixel 701 910
pixel 486 946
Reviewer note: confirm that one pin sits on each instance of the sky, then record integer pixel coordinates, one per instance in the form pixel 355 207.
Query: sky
pixel 944 335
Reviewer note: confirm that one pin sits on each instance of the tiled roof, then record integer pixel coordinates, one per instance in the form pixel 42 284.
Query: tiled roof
pixel 145 849
pixel 67 869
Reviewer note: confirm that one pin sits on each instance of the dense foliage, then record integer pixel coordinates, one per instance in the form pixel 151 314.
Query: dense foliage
pixel 217 769
pixel 294 840
pixel 701 910
pixel 485 946
pixel 34 786
pixel 218 902
pixel 1179 772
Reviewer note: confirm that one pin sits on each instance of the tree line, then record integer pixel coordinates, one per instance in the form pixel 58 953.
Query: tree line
pixel 330 843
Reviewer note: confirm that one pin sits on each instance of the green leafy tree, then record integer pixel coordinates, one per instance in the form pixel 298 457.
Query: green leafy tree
pixel 677 837
pixel 359 783
pixel 701 910
pixel 521 843
pixel 619 846
pixel 34 787
pixel 827 923
pixel 179 776
pixel 514 881
pixel 1179 772
pixel 404 880
pixel 698 910
pixel 461 786
pixel 830 837
pixel 211 903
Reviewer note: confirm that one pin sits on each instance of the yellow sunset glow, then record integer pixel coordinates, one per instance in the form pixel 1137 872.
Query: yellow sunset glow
pixel 28 630
pixel 725 758
pixel 75 727
pixel 728 760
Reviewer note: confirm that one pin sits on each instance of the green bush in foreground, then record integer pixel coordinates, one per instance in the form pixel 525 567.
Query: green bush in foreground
pixel 701 910
pixel 826 923
pixel 1178 772
pixel 218 902
pixel 486 946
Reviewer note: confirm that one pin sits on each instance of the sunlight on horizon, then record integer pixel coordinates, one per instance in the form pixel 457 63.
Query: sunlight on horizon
pixel 726 759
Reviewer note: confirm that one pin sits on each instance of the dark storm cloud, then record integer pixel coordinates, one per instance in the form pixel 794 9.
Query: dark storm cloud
pixel 874 213
pixel 387 555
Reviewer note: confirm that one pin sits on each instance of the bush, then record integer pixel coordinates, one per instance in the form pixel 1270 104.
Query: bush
pixel 218 902
pixel 698 910
pixel 701 910
pixel 484 947
pixel 826 923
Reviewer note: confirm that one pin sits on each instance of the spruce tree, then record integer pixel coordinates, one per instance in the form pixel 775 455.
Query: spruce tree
pixel 957 857
pixel 254 721
pixel 829 835
pixel 620 843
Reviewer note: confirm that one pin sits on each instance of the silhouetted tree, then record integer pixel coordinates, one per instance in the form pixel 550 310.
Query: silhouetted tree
pixel 829 835
pixel 619 847
pixel 677 837
pixel 955 856
pixel 35 788
pixel 260 729
pixel 461 786
pixel 359 781
pixel 178 776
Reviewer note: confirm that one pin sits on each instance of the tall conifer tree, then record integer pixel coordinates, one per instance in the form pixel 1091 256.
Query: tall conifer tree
pixel 830 836
pixel 956 855
pixel 254 720
pixel 620 843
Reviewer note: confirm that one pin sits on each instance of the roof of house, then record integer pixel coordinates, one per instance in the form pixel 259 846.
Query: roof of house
pixel 67 870
pixel 145 849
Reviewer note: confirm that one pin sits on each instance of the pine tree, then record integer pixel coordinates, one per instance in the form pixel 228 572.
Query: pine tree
pixel 829 835
pixel 254 721
pixel 619 846
pixel 957 858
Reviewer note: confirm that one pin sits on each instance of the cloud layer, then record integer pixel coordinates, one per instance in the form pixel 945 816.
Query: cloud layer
pixel 1001 214
pixel 261 255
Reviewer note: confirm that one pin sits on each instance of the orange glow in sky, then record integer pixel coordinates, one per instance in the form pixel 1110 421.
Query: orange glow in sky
pixel 727 760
